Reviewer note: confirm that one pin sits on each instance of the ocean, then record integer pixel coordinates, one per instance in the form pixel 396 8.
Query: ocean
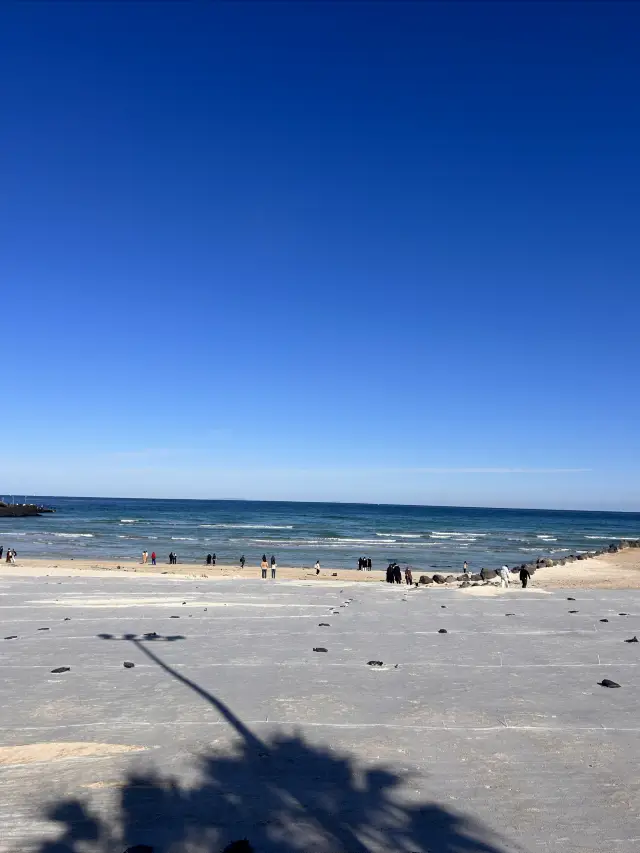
pixel 298 534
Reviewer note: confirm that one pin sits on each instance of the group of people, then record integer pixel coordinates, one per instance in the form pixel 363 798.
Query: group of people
pixel 173 558
pixel 364 564
pixel 11 554
pixel 264 566
pixel 145 557
pixel 394 574
pixel 211 559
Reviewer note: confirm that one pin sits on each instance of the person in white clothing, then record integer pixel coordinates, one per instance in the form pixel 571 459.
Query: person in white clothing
pixel 504 577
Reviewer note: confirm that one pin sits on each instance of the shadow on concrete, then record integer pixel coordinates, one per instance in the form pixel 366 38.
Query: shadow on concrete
pixel 282 794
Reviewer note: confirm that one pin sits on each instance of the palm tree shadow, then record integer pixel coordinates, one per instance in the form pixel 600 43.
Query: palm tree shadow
pixel 283 794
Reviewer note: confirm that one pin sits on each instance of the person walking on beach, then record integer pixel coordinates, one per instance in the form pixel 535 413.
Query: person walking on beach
pixel 408 577
pixel 264 566
pixel 465 568
pixel 213 559
pixel 242 562
pixel 145 557
pixel 317 567
pixel 525 576
pixel 273 567
pixel 504 577
pixel 153 558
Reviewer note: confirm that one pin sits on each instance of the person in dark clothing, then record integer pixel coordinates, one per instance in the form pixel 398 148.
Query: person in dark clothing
pixel 525 575
pixel 360 561
pixel 242 562
pixel 408 577
pixel 390 573
pixel 213 559
pixel 1 550
pixel 208 559
pixel 397 574
pixel 273 567
pixel 171 558
pixel 368 564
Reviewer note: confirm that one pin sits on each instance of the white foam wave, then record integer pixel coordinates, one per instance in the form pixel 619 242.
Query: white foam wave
pixel 185 538
pixel 401 535
pixel 129 520
pixel 249 526
pixel 75 535
pixel 547 538
pixel 439 534
pixel 613 538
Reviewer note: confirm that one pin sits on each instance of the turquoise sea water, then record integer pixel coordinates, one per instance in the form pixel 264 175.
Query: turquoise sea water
pixel 300 533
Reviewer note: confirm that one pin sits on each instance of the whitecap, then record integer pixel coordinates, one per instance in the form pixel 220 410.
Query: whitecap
pixel 74 535
pixel 401 535
pixel 185 538
pixel 249 526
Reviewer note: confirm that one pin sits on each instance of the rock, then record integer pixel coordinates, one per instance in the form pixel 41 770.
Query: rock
pixel 139 848
pixel 623 614
pixel 425 579
pixel 509 614
pixel 61 669
pixel 375 663
pixel 128 664
pixel 241 846
pixel 476 584
pixel 574 611
pixel 150 636
pixel 489 574
pixel 442 631
pixel 67 619
pixel 334 574
pixel 613 549
pixel 174 617
pixel 323 625
pixel 438 579
pixel 580 557
pixel 632 640
pixel 464 584
pixel 443 606
pixel 319 649
pixel 475 577
pixel 606 682
pixel 44 629
pixel 570 599
pixel 604 620
pixel 12 637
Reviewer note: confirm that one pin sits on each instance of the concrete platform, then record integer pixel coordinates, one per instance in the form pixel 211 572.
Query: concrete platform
pixel 492 738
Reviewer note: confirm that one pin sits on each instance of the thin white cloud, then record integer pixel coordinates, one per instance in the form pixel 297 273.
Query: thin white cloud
pixel 495 470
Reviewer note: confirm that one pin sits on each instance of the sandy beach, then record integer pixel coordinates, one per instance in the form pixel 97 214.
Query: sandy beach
pixel 609 571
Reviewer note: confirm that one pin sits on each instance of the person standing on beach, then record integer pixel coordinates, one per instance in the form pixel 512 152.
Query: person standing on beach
pixel 153 558
pixel 145 557
pixel 525 576
pixel 408 577
pixel 273 567
pixel 264 566
pixel 465 568
pixel 504 577
pixel 242 562
pixel 208 561
pixel 317 567
pixel 213 559
pixel 368 564
pixel 1 550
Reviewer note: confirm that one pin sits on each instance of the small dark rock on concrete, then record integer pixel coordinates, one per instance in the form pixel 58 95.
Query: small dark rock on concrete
pixel 319 649
pixel 442 631
pixel 632 640
pixel 375 663
pixel 61 669
pixel 606 682
pixel 128 664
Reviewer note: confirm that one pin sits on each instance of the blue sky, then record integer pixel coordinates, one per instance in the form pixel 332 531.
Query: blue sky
pixel 338 251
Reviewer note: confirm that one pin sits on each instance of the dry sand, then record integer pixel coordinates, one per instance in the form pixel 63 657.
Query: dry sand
pixel 610 571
